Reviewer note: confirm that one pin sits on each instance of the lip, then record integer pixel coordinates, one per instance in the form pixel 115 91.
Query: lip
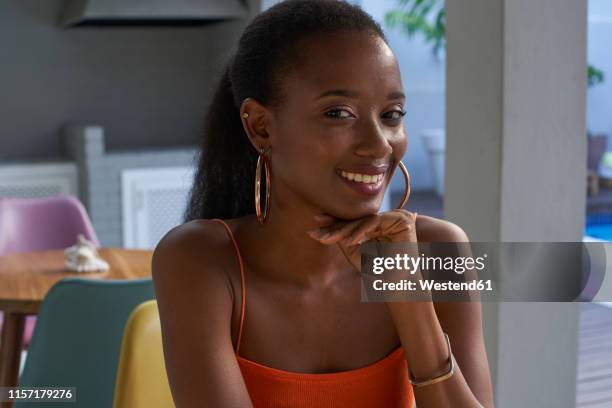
pixel 368 169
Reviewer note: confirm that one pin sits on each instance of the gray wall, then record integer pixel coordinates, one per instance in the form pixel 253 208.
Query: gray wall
pixel 148 87
pixel 515 170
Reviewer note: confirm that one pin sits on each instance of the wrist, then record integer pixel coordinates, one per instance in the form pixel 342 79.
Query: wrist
pixel 422 338
pixel 436 378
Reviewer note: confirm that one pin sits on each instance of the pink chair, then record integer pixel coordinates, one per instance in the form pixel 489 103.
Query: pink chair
pixel 37 224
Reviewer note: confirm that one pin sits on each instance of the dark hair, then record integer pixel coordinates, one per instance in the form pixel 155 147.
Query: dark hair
pixel 224 183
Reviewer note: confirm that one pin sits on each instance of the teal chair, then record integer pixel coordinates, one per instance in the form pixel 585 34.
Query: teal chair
pixel 77 339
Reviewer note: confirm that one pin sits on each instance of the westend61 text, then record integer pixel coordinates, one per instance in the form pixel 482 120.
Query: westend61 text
pixel 429 285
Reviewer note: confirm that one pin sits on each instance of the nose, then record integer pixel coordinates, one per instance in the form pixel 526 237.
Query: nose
pixel 373 140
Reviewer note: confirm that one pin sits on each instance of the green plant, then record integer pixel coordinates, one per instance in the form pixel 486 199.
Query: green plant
pixel 595 76
pixel 428 18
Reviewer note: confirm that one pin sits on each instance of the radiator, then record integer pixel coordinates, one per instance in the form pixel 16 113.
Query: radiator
pixel 38 180
pixel 153 202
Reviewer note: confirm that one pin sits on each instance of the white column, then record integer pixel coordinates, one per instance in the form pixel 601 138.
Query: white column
pixel 516 169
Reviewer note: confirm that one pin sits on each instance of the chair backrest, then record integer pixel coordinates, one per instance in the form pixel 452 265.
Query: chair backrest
pixel 77 338
pixel 36 224
pixel 141 378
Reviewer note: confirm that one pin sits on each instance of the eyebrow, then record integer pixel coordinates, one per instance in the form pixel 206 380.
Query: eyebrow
pixel 352 94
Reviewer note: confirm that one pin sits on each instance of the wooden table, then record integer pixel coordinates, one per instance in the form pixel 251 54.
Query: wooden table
pixel 26 278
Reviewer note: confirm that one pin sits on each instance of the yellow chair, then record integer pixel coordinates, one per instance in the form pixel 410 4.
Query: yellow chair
pixel 141 377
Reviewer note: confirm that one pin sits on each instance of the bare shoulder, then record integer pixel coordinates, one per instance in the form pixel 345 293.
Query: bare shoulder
pixel 431 229
pixel 194 256
pixel 196 242
pixel 192 238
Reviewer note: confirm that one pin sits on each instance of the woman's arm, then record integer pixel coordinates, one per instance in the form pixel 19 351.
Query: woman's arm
pixel 420 330
pixel 420 326
pixel 195 305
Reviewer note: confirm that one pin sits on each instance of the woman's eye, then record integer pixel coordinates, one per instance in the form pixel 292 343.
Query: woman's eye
pixel 338 114
pixel 394 115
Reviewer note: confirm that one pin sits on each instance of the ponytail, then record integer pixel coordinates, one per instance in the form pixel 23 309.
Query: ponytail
pixel 224 182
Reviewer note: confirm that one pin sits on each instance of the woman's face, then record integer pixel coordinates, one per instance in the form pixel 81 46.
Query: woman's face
pixel 338 133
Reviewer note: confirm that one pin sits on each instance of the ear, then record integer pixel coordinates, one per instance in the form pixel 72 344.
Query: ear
pixel 255 121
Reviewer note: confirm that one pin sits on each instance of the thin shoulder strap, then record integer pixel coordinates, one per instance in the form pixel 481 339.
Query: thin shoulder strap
pixel 242 285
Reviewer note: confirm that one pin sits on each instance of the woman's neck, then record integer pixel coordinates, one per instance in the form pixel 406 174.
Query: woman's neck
pixel 282 250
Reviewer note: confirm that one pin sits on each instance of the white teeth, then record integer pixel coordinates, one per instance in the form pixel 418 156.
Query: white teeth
pixel 363 178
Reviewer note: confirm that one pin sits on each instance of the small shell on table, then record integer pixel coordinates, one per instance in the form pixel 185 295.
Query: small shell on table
pixel 83 257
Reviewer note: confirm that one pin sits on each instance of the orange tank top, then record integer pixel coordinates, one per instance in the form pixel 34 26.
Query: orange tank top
pixel 381 384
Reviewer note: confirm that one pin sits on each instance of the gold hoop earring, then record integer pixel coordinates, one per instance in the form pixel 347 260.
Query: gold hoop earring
pixel 407 181
pixel 262 160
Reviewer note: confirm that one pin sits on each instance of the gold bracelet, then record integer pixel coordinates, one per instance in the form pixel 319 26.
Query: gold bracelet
pixel 433 380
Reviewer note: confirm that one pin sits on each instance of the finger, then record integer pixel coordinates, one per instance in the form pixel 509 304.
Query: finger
pixel 318 235
pixel 323 234
pixel 385 224
pixel 323 222
pixel 368 229
pixel 405 221
pixel 324 217
pixel 338 233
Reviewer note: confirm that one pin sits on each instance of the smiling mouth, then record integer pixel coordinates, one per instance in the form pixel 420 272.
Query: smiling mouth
pixel 363 178
pixel 363 184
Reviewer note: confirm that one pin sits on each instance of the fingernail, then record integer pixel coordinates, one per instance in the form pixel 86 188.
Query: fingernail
pixel 325 235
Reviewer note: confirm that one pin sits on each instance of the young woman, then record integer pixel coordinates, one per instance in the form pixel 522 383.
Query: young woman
pixel 258 293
